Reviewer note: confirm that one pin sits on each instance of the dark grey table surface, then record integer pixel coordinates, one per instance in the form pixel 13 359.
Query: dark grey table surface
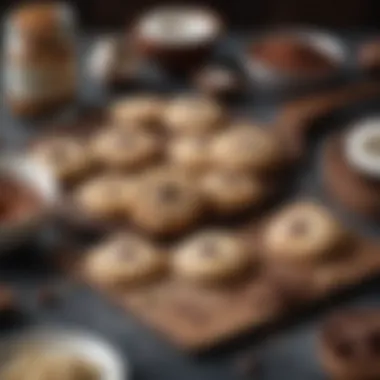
pixel 289 353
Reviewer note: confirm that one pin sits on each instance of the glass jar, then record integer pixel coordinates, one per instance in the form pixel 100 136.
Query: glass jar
pixel 40 58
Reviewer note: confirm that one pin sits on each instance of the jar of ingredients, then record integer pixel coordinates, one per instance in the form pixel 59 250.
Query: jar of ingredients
pixel 40 61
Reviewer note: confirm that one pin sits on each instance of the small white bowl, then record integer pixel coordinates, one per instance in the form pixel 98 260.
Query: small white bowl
pixel 84 345
pixel 178 37
pixel 40 180
pixel 358 135
pixel 266 76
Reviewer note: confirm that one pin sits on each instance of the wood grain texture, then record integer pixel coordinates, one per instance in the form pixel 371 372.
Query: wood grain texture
pixel 196 318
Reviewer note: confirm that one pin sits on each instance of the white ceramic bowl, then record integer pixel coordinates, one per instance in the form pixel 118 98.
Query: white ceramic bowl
pixel 359 134
pixel 178 37
pixel 264 75
pixel 84 345
pixel 40 180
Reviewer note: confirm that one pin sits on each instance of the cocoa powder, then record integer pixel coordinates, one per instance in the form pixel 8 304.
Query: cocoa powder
pixel 290 54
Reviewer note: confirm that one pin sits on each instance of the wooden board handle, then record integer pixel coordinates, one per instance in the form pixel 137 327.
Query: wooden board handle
pixel 299 116
pixel 302 111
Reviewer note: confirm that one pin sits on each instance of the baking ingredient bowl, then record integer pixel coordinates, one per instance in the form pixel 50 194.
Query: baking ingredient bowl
pixel 39 182
pixel 81 345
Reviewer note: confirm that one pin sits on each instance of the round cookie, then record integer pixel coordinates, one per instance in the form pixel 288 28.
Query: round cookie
pixel 349 344
pixel 192 115
pixel 124 259
pixel 228 192
pixel 106 196
pixel 166 203
pixel 125 148
pixel 65 156
pixel 248 148
pixel 190 152
pixel 142 110
pixel 303 232
pixel 211 256
pixel 362 147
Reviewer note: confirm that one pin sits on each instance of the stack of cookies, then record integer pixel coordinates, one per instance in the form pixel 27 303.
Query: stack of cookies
pixel 165 166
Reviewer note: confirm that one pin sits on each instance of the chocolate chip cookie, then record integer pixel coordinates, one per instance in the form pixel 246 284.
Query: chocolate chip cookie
pixel 166 203
pixel 304 232
pixel 228 192
pixel 192 115
pixel 127 149
pixel 212 256
pixel 125 259
pixel 106 196
pixel 247 147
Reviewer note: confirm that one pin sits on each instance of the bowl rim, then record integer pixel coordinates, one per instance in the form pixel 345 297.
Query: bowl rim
pixel 265 74
pixel 207 12
pixel 42 182
pixel 121 366
pixel 356 130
